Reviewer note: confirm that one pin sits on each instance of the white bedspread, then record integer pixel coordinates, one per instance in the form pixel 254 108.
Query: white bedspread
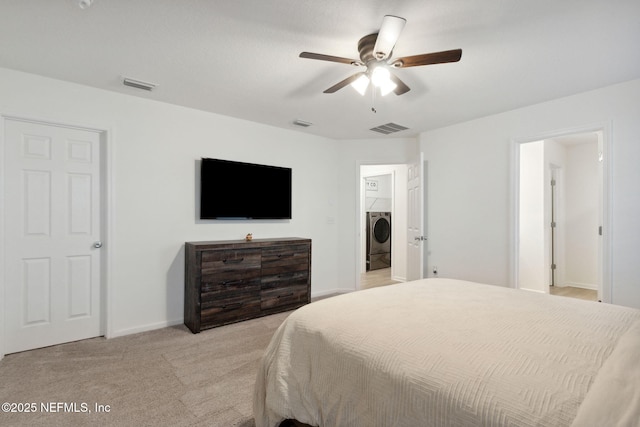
pixel 439 352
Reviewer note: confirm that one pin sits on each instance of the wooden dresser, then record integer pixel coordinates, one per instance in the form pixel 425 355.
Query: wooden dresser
pixel 234 280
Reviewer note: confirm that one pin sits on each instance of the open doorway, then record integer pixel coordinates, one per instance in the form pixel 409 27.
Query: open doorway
pixel 378 208
pixel 561 207
pixel 382 227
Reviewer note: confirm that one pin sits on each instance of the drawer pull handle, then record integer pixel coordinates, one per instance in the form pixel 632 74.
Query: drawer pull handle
pixel 285 255
pixel 287 295
pixel 232 282
pixel 234 305
pixel 233 261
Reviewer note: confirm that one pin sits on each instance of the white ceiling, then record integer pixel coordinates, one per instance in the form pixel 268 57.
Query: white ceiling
pixel 240 58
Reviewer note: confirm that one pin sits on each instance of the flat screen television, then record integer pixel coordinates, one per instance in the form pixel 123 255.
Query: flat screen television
pixel 237 190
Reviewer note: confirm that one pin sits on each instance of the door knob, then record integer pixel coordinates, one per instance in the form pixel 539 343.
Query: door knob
pixel 97 244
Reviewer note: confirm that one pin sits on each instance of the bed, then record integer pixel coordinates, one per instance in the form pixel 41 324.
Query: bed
pixel 443 352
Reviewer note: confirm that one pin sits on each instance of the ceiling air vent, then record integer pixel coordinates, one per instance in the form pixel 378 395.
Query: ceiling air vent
pixel 139 84
pixel 388 128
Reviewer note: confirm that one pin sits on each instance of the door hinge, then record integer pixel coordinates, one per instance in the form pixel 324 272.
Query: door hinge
pixel 553 182
pixel 553 266
pixel 553 224
pixel 600 231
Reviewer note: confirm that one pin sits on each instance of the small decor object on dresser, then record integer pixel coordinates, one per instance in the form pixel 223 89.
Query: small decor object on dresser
pixel 234 280
pixel 249 237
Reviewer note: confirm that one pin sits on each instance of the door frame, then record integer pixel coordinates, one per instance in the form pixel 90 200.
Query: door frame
pixel 397 223
pixel 360 223
pixel 106 212
pixel 605 128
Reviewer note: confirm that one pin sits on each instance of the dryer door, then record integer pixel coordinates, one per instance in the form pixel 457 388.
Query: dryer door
pixel 380 233
pixel 380 251
pixel 382 230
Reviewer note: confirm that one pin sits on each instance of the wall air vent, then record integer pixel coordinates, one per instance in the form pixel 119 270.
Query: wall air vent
pixel 389 128
pixel 302 123
pixel 139 84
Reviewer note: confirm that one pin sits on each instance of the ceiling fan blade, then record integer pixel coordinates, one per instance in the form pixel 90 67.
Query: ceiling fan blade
pixel 401 87
pixel 321 57
pixel 428 59
pixel 388 36
pixel 343 83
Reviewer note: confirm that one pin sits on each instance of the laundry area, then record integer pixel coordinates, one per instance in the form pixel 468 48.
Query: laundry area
pixel 378 202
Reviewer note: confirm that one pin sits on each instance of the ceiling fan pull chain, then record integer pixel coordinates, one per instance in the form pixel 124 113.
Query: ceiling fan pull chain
pixel 373 100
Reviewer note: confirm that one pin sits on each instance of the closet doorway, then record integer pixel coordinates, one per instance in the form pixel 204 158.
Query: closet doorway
pixel 382 202
pixel 561 215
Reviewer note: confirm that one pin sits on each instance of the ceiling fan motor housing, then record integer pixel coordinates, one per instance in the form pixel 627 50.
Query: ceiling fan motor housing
pixel 365 48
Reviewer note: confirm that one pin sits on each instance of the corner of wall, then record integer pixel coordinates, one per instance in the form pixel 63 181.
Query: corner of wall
pixel 2 284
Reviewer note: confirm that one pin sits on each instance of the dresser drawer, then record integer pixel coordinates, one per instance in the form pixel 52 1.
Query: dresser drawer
pixel 284 290
pixel 279 259
pixel 280 298
pixel 289 278
pixel 213 281
pixel 226 288
pixel 230 261
pixel 222 311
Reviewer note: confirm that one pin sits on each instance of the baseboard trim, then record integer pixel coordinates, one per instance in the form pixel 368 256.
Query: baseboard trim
pixel 533 290
pixel 323 294
pixel 580 285
pixel 169 323
pixel 146 328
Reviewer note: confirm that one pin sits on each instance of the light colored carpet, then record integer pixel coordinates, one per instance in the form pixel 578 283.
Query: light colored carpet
pixel 166 377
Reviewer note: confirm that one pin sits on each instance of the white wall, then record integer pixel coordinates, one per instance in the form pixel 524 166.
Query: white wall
pixel 531 239
pixel 154 149
pixel 470 179
pixel 379 196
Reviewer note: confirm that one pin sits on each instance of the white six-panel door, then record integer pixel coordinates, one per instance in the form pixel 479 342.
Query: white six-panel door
pixel 415 219
pixel 52 228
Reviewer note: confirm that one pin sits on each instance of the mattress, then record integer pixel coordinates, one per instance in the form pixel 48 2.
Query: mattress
pixel 443 352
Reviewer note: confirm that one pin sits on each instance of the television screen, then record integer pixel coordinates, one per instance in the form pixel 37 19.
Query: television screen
pixel 239 190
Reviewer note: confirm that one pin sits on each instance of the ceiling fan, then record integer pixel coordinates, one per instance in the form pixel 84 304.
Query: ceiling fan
pixel 375 54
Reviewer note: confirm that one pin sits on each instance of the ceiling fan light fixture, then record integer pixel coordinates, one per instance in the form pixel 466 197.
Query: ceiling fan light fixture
pixel 380 76
pixel 387 87
pixel 361 84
